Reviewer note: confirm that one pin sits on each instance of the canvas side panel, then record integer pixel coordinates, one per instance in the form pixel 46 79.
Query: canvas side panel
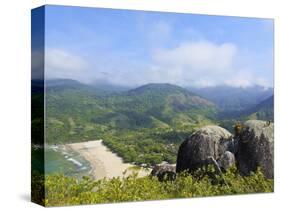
pixel 37 105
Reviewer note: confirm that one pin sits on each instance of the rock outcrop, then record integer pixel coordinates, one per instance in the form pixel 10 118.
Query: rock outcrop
pixel 209 141
pixel 164 172
pixel 226 160
pixel 250 149
pixel 255 148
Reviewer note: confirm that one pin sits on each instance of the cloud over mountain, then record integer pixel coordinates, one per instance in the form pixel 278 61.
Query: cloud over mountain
pixel 198 63
pixel 132 48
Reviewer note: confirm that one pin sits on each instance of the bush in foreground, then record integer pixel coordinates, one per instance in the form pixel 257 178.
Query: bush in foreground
pixel 61 190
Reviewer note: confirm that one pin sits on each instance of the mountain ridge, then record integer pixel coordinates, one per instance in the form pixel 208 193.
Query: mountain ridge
pixel 233 99
pixel 148 106
pixel 262 111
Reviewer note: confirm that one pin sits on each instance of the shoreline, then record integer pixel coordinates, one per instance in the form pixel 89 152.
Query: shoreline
pixel 104 163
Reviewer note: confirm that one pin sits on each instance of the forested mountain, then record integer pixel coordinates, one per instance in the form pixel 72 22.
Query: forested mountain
pixel 262 111
pixel 234 99
pixel 145 124
pixel 84 108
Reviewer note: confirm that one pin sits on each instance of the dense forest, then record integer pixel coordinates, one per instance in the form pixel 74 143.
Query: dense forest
pixel 144 125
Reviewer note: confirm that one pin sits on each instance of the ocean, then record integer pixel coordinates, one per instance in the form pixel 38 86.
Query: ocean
pixel 60 160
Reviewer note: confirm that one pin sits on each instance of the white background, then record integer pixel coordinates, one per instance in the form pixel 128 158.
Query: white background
pixel 15 104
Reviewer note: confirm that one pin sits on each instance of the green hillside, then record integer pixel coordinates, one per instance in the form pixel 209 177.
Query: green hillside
pixel 231 99
pixel 262 111
pixel 143 125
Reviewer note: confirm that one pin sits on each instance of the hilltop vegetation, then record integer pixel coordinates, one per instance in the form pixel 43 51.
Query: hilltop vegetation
pixel 61 190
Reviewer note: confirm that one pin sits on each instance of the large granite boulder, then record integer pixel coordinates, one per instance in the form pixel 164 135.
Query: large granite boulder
pixel 255 148
pixel 208 142
pixel 164 172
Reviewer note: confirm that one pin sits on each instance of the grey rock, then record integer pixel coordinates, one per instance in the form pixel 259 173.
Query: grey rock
pixel 164 172
pixel 209 141
pixel 226 160
pixel 255 148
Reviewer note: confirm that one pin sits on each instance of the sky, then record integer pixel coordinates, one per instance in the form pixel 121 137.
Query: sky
pixel 132 48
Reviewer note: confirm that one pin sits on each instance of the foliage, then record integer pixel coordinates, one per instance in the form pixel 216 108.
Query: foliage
pixel 38 187
pixel 146 146
pixel 144 125
pixel 79 112
pixel 62 190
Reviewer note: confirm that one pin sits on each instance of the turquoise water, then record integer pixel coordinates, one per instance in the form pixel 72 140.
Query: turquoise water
pixel 58 160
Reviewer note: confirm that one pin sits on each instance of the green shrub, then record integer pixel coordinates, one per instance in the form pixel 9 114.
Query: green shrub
pixel 62 190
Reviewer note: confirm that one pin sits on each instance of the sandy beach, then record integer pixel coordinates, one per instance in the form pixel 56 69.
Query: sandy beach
pixel 104 163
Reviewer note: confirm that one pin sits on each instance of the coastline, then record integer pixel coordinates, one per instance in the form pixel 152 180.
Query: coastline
pixel 104 163
pixel 62 159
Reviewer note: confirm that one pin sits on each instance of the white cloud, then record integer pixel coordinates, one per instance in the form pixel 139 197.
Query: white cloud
pixel 200 56
pixel 197 63
pixel 246 78
pixel 204 63
pixel 241 78
pixel 62 64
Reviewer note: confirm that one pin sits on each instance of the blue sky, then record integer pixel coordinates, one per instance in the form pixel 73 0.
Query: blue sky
pixel 132 48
